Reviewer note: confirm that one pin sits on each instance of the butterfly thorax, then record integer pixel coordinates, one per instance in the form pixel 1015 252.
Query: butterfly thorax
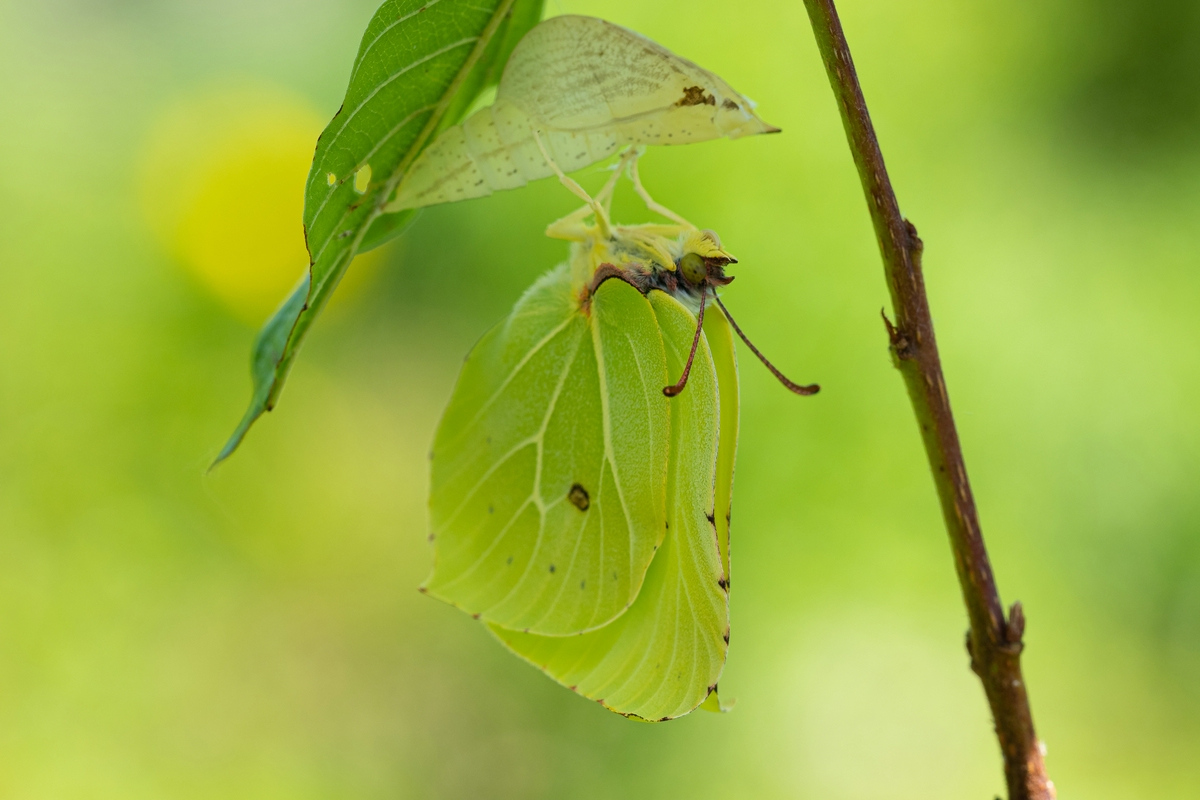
pixel 670 258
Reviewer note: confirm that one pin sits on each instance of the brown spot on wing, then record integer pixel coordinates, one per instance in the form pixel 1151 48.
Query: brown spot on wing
pixel 579 497
pixel 696 96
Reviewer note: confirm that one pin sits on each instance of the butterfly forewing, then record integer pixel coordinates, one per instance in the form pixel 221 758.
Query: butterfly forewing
pixel 660 659
pixel 549 465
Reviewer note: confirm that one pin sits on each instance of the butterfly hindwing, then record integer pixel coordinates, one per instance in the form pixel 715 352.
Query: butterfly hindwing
pixel 720 342
pixel 661 657
pixel 549 465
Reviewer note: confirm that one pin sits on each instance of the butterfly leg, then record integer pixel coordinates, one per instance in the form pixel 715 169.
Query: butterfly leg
pixel 651 203
pixel 604 196
pixel 572 227
pixel 575 188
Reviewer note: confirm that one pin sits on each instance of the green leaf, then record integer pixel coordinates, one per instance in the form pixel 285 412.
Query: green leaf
pixel 267 353
pixel 420 65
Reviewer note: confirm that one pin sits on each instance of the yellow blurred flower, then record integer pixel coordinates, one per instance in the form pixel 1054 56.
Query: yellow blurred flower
pixel 222 186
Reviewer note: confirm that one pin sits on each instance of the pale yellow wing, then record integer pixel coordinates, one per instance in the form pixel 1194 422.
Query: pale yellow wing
pixel 588 87
pixel 662 657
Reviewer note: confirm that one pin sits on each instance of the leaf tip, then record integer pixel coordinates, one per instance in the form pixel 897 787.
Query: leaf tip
pixel 239 433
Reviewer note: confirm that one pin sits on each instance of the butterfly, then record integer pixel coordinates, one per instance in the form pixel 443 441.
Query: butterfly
pixel 580 500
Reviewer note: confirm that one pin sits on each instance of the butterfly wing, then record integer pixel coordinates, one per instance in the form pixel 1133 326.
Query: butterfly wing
pixel 720 341
pixel 549 466
pixel 662 657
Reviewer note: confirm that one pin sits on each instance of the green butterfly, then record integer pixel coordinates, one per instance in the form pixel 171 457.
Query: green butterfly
pixel 579 508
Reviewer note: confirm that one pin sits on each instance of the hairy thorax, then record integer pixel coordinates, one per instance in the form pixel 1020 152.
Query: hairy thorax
pixel 669 258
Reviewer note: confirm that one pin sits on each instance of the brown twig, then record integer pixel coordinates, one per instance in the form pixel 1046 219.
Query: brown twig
pixel 994 642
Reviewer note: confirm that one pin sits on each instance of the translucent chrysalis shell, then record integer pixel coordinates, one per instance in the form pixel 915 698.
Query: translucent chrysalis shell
pixel 587 87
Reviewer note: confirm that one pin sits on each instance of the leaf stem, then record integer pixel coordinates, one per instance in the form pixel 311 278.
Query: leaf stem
pixel 993 642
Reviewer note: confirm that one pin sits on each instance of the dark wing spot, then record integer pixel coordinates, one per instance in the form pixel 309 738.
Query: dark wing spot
pixel 729 104
pixel 579 497
pixel 696 96
pixel 551 568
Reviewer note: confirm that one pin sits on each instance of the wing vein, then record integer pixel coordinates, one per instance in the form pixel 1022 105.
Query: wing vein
pixel 487 551
pixel 536 493
pixel 518 447
pixel 608 448
pixel 515 370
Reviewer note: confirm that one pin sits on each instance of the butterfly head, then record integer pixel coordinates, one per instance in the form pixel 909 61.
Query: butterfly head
pixel 701 260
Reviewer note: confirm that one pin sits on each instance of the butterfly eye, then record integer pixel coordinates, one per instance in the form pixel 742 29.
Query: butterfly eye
pixel 694 271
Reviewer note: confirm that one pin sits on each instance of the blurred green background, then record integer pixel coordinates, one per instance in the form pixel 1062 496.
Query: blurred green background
pixel 257 633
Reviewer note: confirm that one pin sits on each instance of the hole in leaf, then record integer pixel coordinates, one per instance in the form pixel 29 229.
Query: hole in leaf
pixel 362 179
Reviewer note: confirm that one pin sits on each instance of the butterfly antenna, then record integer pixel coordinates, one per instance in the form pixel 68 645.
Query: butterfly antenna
pixel 676 388
pixel 793 387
